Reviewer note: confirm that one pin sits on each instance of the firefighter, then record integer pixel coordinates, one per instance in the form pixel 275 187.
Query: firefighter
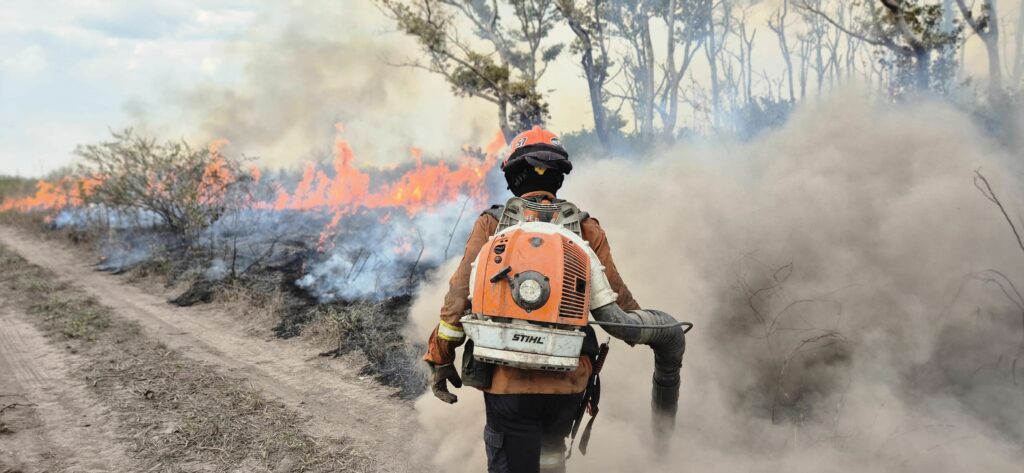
pixel 529 412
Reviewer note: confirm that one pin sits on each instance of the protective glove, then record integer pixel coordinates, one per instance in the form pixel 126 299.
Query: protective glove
pixel 441 375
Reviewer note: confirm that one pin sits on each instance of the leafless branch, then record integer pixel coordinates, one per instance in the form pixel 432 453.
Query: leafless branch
pixel 979 182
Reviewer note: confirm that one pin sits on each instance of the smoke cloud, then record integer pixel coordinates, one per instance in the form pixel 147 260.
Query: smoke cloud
pixel 371 260
pixel 851 291
pixel 304 66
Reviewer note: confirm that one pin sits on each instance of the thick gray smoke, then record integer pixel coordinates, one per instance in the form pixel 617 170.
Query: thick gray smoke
pixel 840 275
pixel 373 260
pixel 368 253
pixel 304 66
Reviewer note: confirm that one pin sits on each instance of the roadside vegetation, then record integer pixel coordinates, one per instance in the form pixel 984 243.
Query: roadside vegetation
pixel 177 414
pixel 13 186
pixel 182 216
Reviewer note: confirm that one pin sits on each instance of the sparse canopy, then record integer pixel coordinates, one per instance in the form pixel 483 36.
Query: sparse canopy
pixel 501 60
pixel 913 31
pixel 636 56
pixel 588 21
pixel 186 188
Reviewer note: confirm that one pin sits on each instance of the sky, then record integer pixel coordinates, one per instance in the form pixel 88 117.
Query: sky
pixel 274 77
pixel 71 69
pixel 271 76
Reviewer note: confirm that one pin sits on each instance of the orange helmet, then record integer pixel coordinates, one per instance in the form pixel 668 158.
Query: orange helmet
pixel 538 148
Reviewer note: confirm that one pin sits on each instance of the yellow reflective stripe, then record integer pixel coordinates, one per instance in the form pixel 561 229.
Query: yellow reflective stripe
pixel 450 332
pixel 450 326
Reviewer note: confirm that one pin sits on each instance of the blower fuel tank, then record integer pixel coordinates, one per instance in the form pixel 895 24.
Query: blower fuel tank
pixel 530 294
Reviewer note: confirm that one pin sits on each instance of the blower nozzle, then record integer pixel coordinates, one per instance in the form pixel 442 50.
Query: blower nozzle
pixel 667 338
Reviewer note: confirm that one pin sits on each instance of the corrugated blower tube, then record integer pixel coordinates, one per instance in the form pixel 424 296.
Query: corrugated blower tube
pixel 667 338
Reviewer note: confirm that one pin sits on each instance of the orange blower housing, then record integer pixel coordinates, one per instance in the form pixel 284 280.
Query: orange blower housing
pixel 514 266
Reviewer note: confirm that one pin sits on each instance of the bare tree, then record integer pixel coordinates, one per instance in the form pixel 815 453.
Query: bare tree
pixel 652 83
pixel 832 42
pixel 588 22
pixel 718 31
pixel 806 46
pixel 986 26
pixel 853 45
pixel 907 28
pixel 746 56
pixel 816 38
pixel 687 24
pixel 631 20
pixel 503 61
pixel 777 23
pixel 1018 50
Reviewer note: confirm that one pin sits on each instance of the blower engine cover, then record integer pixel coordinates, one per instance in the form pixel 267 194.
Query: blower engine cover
pixel 531 295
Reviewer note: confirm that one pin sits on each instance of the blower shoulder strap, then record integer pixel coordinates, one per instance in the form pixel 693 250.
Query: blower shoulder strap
pixel 559 212
pixel 495 212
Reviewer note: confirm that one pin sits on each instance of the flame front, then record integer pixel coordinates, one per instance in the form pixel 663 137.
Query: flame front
pixel 52 195
pixel 343 191
pixel 423 187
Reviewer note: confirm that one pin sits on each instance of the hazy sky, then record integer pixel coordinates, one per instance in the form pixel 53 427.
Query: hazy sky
pixel 272 76
pixel 70 68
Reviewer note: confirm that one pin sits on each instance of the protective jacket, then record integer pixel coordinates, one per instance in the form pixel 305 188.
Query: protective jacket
pixel 507 380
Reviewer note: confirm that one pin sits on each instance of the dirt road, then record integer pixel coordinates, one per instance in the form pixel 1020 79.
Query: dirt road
pixel 337 401
pixel 53 423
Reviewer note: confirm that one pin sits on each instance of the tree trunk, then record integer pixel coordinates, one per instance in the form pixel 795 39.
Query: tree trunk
pixel 712 53
pixel 995 62
pixel 647 120
pixel 503 121
pixel 789 71
pixel 672 116
pixel 947 16
pixel 995 65
pixel 819 65
pixel 987 28
pixel 1018 61
pixel 595 78
pixel 922 69
pixel 668 118
pixel 669 132
pixel 597 105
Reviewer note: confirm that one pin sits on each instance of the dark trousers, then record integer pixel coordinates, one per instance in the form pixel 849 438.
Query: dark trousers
pixel 523 428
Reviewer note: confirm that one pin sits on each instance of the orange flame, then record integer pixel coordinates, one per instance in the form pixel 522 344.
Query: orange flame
pixel 62 193
pixel 423 187
pixel 344 192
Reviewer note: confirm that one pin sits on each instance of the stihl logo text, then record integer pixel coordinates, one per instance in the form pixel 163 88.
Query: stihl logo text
pixel 519 337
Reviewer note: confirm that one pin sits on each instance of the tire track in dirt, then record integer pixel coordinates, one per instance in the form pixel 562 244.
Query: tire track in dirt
pixel 12 350
pixel 59 424
pixel 337 401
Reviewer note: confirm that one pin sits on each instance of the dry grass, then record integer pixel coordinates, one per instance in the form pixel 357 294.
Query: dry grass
pixel 263 307
pixel 375 330
pixel 72 318
pixel 176 414
pixel 30 220
pixel 268 299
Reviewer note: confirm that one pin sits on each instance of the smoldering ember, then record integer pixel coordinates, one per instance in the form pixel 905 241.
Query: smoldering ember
pixel 659 235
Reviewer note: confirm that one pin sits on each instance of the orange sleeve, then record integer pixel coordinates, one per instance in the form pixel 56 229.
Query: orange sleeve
pixel 448 334
pixel 594 234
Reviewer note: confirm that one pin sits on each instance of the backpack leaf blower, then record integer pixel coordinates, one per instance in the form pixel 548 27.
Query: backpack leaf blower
pixel 535 284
